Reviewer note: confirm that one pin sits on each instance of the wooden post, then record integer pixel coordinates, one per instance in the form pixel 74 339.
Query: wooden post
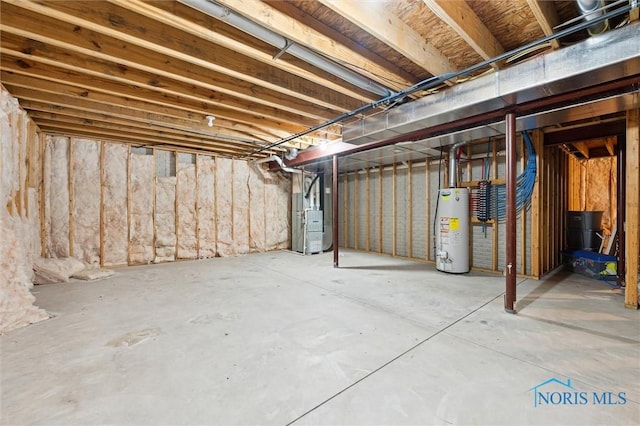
pixel 632 209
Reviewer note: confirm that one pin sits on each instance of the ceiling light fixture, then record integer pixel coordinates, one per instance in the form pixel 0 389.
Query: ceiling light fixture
pixel 210 120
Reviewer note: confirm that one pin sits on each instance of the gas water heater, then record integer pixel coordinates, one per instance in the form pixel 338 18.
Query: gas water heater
pixel 452 231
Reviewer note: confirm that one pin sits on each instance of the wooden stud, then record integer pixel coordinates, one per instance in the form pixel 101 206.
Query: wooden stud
pixel 368 213
pixel 153 207
pixel 394 215
pixel 18 196
pixel 345 218
pixel 356 210
pixel 197 156
pixel 42 198
pixel 215 206
pixel 632 207
pixel 380 170
pixel 538 140
pixel 410 207
pixel 102 215
pixel 427 195
pixel 175 207
pixel 71 197
pixel 233 226
pixel 129 204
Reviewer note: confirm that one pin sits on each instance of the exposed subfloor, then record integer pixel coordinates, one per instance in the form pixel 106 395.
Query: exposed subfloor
pixel 276 338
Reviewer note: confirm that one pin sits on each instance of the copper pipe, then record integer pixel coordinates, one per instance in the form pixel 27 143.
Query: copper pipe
pixel 510 291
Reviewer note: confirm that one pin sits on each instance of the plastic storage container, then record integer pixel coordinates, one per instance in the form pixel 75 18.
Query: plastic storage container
pixel 590 264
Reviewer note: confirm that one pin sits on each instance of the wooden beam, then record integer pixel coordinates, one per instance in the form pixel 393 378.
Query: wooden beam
pixel 391 30
pixel 610 143
pixel 582 148
pixel 632 207
pixel 547 17
pixel 129 205
pixel 634 14
pixel 494 225
pixel 459 16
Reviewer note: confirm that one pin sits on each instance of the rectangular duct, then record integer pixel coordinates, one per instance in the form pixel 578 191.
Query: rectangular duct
pixel 607 57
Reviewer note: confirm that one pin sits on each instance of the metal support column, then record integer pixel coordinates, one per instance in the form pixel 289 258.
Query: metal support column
pixel 510 292
pixel 336 222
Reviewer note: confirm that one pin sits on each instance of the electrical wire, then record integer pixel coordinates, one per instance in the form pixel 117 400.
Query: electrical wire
pixel 524 186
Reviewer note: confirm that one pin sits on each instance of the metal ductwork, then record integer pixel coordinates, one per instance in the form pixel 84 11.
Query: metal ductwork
pixel 223 13
pixel 453 164
pixel 590 10
pixel 280 163
pixel 611 56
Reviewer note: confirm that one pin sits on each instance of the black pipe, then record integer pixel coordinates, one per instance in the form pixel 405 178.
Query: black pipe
pixel 435 81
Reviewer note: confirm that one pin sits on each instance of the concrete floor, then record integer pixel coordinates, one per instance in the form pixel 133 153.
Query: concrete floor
pixel 276 338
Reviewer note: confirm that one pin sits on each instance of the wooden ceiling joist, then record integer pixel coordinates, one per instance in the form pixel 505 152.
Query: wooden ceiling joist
pixel 547 17
pixel 304 35
pixel 80 27
pixel 392 31
pixel 459 16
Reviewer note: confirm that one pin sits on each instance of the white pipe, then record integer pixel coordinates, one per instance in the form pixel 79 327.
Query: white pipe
pixel 225 14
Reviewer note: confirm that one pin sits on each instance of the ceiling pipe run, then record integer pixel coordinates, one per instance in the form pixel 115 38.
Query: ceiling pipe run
pixel 223 13
pixel 590 10
pixel 435 81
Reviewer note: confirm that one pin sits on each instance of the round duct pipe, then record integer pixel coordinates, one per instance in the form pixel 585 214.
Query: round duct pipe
pixel 590 10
